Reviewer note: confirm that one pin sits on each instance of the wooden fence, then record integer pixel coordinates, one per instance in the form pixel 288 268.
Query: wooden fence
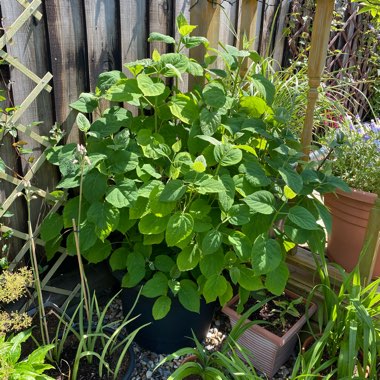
pixel 76 40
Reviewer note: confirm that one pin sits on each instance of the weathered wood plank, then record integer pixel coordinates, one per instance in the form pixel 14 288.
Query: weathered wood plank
pixel 228 23
pixel 9 156
pixel 279 41
pixel 133 30
pixel 103 43
pixel 68 59
pixel 247 15
pixel 161 21
pixel 266 42
pixel 30 48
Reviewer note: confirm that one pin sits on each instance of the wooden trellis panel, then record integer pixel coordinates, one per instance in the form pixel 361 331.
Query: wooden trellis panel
pixel 13 180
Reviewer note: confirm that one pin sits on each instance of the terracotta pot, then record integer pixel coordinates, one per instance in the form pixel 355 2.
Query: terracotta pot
pixel 268 351
pixel 350 214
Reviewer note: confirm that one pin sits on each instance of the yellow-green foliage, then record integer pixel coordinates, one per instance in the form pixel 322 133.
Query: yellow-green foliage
pixel 13 285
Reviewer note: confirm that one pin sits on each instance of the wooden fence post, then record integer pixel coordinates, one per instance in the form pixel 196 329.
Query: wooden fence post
pixel 316 63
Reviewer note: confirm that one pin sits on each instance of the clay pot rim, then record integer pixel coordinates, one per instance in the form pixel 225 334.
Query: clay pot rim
pixel 360 195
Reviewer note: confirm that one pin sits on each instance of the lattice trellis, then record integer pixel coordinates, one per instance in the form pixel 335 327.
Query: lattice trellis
pixel 31 10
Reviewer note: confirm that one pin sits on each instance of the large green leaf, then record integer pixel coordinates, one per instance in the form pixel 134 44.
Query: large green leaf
pixel 188 258
pixel 214 94
pixel 227 154
pixel 209 185
pixel 149 87
pixel 254 174
pixel 82 122
pixel 71 210
pixel 156 286
pixel 136 270
pixel 109 78
pixel 266 255
pixel 199 209
pixel 241 244
pixel 51 227
pixel 184 108
pixel 118 259
pixel 191 42
pixel 303 218
pixel 176 61
pixel 209 121
pixel 227 197
pixel 212 264
pixel 188 295
pixel 126 90
pixel 164 263
pixel 180 226
pixel 161 307
pixel 261 201
pixel 264 86
pixel 174 190
pixel 86 103
pixel 254 105
pixel 159 37
pixel 104 217
pixel 292 179
pixel 239 215
pixel 124 194
pixel 151 224
pixel 94 186
pixel 123 161
pixel 211 242
pixel 214 287
pixel 249 280
pixel 98 252
pixel 276 280
pixel 324 214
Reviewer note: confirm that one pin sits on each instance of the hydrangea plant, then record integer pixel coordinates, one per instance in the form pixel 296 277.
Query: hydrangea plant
pixel 207 188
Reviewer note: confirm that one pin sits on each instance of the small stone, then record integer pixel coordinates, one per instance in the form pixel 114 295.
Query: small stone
pixel 149 374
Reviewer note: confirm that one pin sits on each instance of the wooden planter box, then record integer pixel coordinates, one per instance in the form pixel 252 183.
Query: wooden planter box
pixel 267 351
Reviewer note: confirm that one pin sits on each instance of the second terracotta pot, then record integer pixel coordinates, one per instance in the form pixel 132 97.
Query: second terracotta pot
pixel 350 213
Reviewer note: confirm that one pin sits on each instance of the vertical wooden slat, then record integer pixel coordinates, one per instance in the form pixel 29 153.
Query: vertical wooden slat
pixel 161 21
pixel 9 156
pixel 259 18
pixel 68 59
pixel 279 44
pixel 247 18
pixel 228 23
pixel 317 59
pixel 133 30
pixel 103 45
pixel 31 49
pixel 266 42
pixel 207 17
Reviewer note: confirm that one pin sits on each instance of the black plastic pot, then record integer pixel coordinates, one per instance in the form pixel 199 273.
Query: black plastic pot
pixel 172 332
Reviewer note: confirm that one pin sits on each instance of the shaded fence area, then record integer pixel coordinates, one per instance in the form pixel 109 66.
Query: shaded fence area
pixel 76 40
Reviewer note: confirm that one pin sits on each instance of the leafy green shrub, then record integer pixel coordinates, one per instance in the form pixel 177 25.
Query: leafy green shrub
pixel 12 368
pixel 202 184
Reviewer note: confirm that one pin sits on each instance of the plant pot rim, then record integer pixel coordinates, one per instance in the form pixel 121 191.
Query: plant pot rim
pixel 260 330
pixel 360 195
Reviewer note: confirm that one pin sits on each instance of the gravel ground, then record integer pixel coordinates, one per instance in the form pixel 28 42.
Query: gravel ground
pixel 146 360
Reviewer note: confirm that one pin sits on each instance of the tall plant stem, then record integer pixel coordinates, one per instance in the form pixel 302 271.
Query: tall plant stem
pixel 37 280
pixel 83 279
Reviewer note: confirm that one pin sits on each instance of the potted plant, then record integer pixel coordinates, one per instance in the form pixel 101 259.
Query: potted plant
pixel 357 161
pixel 270 344
pixel 228 361
pixel 347 344
pixel 199 192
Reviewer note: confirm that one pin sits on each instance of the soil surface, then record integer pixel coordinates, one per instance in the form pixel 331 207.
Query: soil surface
pixel 268 314
pixel 87 371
